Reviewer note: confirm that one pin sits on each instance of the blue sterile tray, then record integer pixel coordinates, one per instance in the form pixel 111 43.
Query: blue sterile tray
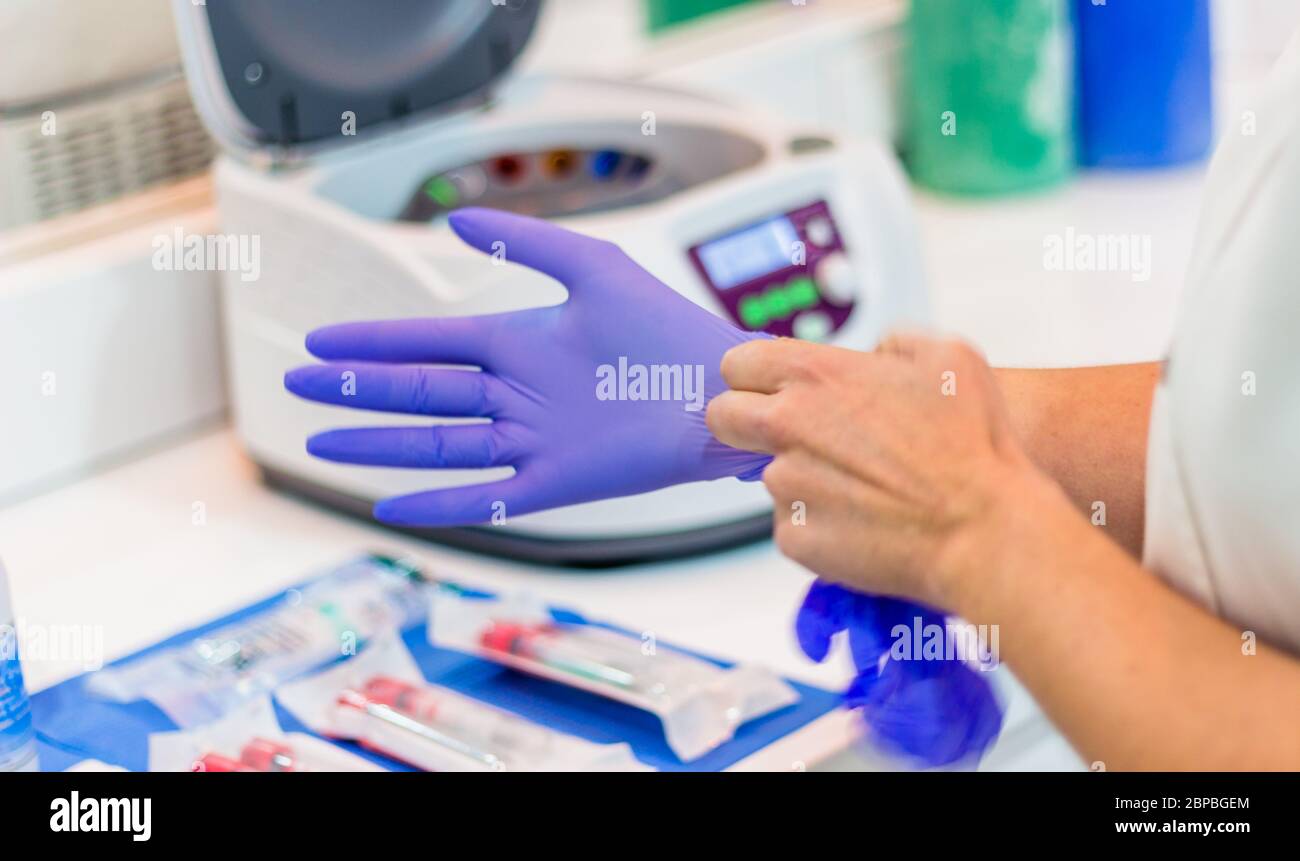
pixel 73 725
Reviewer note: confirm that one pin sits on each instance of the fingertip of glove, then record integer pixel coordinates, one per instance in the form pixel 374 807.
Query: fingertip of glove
pixel 813 636
pixel 396 513
pixel 320 445
pixel 468 223
pixel 466 215
pixel 317 343
pixel 382 510
pixel 815 650
pixel 296 379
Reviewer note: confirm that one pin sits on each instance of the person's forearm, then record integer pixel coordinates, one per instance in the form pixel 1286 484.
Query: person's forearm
pixel 1135 675
pixel 1087 429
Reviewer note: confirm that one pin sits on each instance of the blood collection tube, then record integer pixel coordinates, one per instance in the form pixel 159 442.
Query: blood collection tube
pixel 410 725
pixel 419 703
pixel 470 728
pixel 558 649
pixel 217 762
pixel 263 755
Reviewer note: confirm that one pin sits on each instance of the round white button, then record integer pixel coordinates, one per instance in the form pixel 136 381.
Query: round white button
pixel 820 232
pixel 812 326
pixel 836 279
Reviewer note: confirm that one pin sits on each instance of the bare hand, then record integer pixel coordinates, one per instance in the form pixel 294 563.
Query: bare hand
pixel 886 463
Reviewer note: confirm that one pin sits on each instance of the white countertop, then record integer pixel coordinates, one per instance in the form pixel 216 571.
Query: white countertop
pixel 123 553
pixel 124 550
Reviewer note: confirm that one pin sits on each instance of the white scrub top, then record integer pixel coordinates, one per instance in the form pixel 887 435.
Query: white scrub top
pixel 1223 460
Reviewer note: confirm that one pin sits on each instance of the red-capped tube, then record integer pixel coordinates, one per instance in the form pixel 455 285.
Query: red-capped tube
pixel 401 696
pixel 263 755
pixel 217 762
pixel 511 637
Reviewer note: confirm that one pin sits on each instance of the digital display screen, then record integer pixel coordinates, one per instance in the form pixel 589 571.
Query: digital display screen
pixel 749 253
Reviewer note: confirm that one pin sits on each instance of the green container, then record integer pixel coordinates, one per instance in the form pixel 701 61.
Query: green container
pixel 989 95
pixel 661 14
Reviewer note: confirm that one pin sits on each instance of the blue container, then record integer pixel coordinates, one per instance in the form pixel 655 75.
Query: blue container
pixel 1143 82
pixel 17 736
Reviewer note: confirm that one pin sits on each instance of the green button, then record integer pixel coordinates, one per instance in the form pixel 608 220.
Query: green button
pixel 442 191
pixel 802 293
pixel 777 302
pixel 752 311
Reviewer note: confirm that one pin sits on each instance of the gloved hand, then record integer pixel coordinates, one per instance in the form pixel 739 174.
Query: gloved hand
pixel 550 384
pixel 568 445
pixel 931 712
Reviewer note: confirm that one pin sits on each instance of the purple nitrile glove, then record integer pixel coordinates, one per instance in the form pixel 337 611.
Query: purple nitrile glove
pixel 601 396
pixel 568 444
pixel 932 712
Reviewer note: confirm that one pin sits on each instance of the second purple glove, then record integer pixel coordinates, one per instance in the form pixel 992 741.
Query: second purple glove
pixel 928 712
pixel 601 396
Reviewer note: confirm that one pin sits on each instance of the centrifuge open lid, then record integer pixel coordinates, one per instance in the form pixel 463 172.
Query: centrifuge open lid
pixel 289 73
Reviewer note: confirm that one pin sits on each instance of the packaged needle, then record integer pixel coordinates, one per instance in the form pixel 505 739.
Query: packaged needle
pixel 249 739
pixel 380 700
pixel 201 679
pixel 699 703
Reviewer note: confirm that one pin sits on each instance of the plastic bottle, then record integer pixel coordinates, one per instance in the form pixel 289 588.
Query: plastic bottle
pixel 17 735
pixel 989 95
pixel 1144 82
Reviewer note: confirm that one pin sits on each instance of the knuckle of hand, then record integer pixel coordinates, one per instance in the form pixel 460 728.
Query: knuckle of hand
pixel 483 401
pixel 774 423
pixel 492 448
pixel 776 477
pixel 788 417
pixel 717 415
pixel 421 393
pixel 729 365
pixel 787 537
pixel 963 353
pixel 507 443
pixel 807 366
pixel 739 358
pixel 427 449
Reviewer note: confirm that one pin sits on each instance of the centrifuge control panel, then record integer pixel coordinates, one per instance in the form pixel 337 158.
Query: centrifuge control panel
pixel 789 275
pixel 548 183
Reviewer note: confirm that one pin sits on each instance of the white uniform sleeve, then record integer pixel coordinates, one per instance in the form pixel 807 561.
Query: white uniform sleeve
pixel 1223 480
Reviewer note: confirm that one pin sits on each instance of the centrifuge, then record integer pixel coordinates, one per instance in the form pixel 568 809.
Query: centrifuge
pixel 351 129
